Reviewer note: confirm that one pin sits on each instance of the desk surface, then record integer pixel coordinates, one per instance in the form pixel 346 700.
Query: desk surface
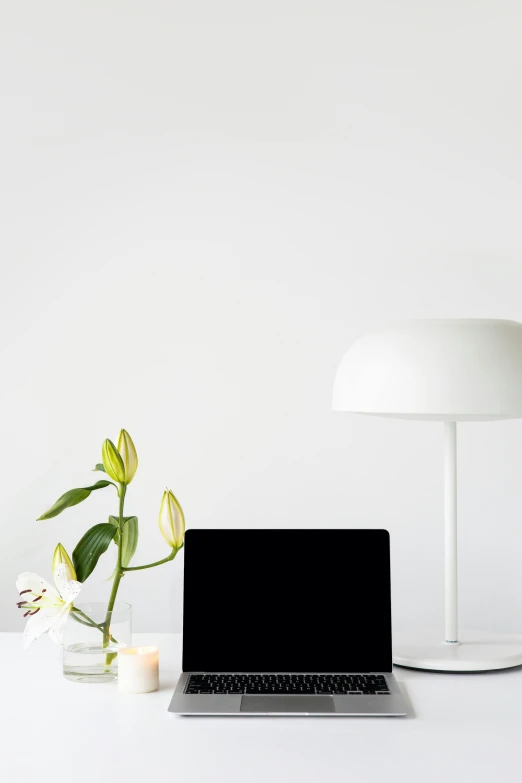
pixel 465 727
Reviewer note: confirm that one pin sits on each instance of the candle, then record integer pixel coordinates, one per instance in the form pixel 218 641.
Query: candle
pixel 138 669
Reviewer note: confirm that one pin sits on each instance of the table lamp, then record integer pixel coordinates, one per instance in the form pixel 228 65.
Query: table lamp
pixel 448 371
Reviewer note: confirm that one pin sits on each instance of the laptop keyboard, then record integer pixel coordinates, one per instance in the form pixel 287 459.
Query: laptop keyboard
pixel 352 684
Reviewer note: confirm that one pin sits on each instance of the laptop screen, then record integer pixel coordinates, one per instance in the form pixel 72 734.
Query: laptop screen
pixel 287 601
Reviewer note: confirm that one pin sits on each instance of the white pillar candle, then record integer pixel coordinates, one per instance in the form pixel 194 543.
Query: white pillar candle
pixel 138 669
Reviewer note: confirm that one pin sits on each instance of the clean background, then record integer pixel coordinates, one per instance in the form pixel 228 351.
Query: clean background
pixel 202 204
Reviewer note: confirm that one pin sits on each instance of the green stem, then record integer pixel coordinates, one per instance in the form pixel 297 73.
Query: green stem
pixel 117 579
pixel 157 563
pixel 89 622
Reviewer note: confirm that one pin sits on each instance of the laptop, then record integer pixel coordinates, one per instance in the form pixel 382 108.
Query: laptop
pixel 287 622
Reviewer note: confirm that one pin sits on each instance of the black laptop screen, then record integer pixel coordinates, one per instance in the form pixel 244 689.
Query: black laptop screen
pixel 287 601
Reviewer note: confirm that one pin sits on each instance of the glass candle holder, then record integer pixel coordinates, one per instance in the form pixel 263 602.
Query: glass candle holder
pixel 138 669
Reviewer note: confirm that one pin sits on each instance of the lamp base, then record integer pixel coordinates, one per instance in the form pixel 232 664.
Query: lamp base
pixel 478 651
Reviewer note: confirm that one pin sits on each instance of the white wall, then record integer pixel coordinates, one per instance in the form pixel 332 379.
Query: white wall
pixel 202 203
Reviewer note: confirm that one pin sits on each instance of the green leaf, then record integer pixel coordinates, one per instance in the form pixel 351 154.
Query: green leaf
pixel 114 521
pixel 72 498
pixel 89 548
pixel 99 466
pixel 130 538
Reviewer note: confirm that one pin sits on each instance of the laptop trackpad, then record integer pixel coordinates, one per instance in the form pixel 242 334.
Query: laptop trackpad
pixel 288 704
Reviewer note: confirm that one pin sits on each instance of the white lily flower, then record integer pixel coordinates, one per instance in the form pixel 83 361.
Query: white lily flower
pixel 171 520
pixel 128 454
pixel 47 608
pixel 60 556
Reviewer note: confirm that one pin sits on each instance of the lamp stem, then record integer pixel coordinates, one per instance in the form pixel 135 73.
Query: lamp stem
pixel 450 532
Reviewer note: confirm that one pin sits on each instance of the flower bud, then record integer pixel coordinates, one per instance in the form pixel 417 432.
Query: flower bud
pixel 171 520
pixel 128 454
pixel 61 556
pixel 112 462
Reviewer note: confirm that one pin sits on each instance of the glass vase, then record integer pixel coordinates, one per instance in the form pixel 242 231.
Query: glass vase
pixel 92 638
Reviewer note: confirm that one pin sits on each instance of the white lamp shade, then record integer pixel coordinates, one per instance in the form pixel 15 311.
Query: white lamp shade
pixel 446 370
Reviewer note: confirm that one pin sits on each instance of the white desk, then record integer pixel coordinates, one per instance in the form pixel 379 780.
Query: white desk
pixel 466 727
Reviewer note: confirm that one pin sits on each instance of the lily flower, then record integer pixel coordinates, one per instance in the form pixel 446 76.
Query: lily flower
pixel 112 462
pixel 60 556
pixel 128 454
pixel 47 608
pixel 171 520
